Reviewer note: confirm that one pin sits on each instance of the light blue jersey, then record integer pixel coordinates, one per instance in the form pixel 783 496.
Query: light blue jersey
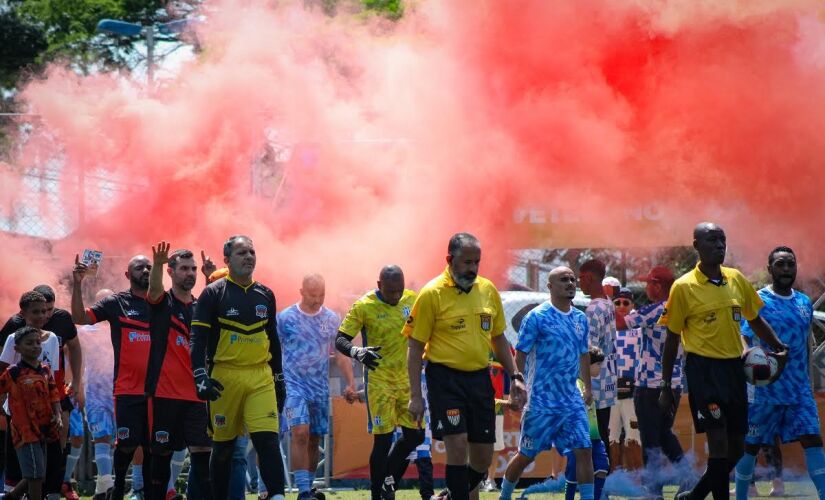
pixel 553 342
pixel 601 319
pixel 306 344
pixel 790 317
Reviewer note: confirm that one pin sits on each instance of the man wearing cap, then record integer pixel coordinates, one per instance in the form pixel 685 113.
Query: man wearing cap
pixel 627 453
pixel 611 286
pixel 655 426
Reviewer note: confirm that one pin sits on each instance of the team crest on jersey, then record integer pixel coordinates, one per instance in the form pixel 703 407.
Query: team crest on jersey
pixel 715 411
pixel 123 433
pixel 162 437
pixel 376 420
pixel 486 322
pixel 260 311
pixel 220 420
pixel 737 314
pixel 454 416
pixel 406 311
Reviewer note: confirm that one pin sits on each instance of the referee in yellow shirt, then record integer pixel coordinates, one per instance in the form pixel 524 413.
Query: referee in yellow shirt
pixel 454 321
pixel 705 308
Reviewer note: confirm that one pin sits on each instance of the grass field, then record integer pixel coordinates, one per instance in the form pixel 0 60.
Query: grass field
pixel 796 490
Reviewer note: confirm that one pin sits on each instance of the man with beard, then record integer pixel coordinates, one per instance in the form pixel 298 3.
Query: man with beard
pixel 179 418
pixel 236 362
pixel 454 321
pixel 128 315
pixel 704 310
pixel 785 408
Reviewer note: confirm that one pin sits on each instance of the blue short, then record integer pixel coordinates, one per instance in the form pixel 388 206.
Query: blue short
pixel 600 461
pixel 100 415
pixel 76 424
pixel 789 422
pixel 299 411
pixel 565 429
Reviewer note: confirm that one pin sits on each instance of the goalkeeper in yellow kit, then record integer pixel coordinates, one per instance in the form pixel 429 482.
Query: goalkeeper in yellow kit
pixel 379 317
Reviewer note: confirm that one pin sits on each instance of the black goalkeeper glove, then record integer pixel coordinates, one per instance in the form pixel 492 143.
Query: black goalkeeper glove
pixel 208 388
pixel 367 356
pixel 280 391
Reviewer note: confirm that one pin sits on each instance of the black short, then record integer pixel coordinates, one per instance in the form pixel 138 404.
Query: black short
pixel 177 423
pixel 131 420
pixel 461 402
pixel 718 393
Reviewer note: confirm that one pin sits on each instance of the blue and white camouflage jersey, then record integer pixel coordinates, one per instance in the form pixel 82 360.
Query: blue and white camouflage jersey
pixel 553 342
pixel 790 317
pixel 307 340
pixel 601 320
pixel 628 344
pixel 649 366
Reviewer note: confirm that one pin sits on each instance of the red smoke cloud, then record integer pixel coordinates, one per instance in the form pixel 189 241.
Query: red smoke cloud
pixel 544 124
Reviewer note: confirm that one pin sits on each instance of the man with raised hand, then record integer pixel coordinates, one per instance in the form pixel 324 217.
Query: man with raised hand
pixel 128 315
pixel 179 418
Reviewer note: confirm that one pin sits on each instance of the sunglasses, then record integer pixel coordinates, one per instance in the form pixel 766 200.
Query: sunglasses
pixel 622 302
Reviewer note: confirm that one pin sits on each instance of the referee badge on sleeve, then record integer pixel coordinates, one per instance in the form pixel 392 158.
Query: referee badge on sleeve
pixel 737 314
pixel 486 322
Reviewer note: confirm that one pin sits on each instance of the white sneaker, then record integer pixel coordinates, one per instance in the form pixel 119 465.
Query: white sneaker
pixel 489 485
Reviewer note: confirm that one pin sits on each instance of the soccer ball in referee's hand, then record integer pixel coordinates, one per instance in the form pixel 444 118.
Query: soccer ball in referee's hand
pixel 760 368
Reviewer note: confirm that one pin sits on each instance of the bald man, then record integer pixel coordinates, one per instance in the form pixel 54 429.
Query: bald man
pixel 307 331
pixel 379 317
pixel 128 315
pixel 553 352
pixel 704 311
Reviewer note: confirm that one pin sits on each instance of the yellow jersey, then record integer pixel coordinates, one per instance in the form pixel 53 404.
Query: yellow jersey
pixel 456 327
pixel 380 324
pixel 707 315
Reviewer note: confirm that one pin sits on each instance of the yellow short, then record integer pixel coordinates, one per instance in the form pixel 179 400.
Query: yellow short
pixel 247 402
pixel 387 408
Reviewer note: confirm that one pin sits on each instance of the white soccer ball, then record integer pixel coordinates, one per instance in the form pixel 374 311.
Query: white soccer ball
pixel 759 367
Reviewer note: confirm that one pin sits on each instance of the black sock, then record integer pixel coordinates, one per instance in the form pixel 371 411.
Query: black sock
pixel 161 463
pixel 271 462
pixel 122 459
pixel 457 482
pixel 474 477
pixel 425 477
pixel 55 468
pixel 199 463
pixel 720 486
pixel 381 444
pixel 147 469
pixel 397 461
pixel 220 465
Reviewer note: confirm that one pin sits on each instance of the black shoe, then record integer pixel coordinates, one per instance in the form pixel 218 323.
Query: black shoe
pixel 388 489
pixel 318 494
pixel 684 495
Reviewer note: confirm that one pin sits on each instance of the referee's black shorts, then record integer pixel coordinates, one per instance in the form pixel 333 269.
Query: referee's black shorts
pixel 718 393
pixel 461 402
